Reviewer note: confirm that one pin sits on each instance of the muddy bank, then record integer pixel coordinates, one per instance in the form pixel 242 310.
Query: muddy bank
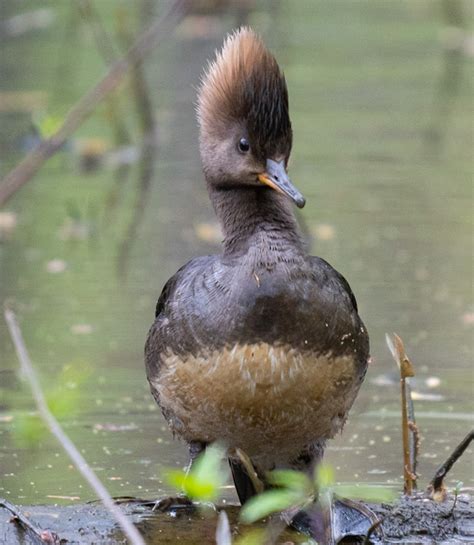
pixel 411 520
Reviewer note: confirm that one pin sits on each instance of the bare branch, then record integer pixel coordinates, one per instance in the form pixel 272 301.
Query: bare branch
pixel 436 483
pixel 28 167
pixel 29 373
pixel 36 533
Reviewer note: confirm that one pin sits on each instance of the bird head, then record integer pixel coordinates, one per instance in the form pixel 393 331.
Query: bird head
pixel 245 127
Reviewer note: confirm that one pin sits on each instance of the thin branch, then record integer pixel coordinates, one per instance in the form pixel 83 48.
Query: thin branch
pixel 106 49
pixel 103 42
pixel 138 82
pixel 436 483
pixel 36 533
pixel 29 373
pixel 24 171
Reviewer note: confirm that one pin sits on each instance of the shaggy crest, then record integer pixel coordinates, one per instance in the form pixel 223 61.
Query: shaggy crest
pixel 245 84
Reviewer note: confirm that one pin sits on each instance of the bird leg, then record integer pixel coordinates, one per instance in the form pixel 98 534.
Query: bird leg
pixel 172 504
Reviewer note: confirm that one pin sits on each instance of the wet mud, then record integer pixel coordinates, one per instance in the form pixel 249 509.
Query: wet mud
pixel 415 520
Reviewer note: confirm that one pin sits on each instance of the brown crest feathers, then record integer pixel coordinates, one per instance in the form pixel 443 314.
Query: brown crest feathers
pixel 245 84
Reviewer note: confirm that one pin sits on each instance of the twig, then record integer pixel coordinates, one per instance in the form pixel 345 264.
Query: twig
pixel 28 371
pixel 102 40
pixel 106 49
pixel 24 171
pixel 36 533
pixel 139 85
pixel 147 167
pixel 436 483
pixel 397 349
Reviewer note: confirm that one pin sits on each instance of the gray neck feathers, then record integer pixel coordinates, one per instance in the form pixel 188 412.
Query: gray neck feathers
pixel 255 216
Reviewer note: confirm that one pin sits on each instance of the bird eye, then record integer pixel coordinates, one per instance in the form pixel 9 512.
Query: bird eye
pixel 244 145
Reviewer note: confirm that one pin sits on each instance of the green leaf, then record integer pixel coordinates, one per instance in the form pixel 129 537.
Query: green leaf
pixel 194 488
pixel 47 124
pixel 204 480
pixel 208 466
pixel 266 503
pixel 175 478
pixel 324 476
pixel 291 479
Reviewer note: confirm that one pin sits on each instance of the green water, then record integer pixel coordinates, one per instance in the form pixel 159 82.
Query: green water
pixel 383 139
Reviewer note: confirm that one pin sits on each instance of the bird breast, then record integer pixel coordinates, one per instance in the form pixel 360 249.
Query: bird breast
pixel 271 401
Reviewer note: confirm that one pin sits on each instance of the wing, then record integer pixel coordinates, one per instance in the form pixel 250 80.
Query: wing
pixel 163 328
pixel 335 278
pixel 345 318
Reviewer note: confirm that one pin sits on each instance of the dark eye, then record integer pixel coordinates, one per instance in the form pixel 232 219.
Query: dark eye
pixel 244 145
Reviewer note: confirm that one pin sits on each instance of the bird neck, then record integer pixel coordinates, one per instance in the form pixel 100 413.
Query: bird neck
pixel 255 216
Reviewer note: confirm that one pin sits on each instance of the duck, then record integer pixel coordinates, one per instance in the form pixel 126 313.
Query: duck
pixel 259 347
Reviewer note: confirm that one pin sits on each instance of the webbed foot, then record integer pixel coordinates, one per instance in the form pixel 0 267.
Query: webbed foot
pixel 174 505
pixel 344 521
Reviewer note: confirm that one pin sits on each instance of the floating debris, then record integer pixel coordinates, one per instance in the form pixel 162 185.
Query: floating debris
pixel 421 396
pixel 8 222
pixel 323 231
pixel 56 266
pixel 433 382
pixel 114 427
pixel 82 329
pixel 208 232
pixel 468 318
pixel 91 153
pixel 69 498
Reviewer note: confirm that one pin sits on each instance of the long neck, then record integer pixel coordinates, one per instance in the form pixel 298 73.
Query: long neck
pixel 255 216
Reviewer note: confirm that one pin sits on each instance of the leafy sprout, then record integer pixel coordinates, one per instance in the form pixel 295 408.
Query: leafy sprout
pixel 205 478
pixel 295 489
pixel 292 489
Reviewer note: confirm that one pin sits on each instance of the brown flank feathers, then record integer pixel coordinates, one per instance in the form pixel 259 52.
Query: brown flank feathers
pixel 245 84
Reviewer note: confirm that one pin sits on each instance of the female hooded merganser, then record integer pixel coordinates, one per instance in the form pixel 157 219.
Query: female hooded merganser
pixel 260 347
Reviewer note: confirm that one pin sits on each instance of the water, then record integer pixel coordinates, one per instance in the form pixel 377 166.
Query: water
pixel 382 119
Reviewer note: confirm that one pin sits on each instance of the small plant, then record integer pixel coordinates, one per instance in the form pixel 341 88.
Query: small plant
pixel 295 489
pixel 456 491
pixel 203 481
pixel 292 489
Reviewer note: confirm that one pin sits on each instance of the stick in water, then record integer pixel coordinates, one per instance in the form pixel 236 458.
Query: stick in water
pixel 128 528
pixel 436 484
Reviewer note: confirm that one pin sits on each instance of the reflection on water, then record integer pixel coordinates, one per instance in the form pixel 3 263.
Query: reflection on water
pixel 85 252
